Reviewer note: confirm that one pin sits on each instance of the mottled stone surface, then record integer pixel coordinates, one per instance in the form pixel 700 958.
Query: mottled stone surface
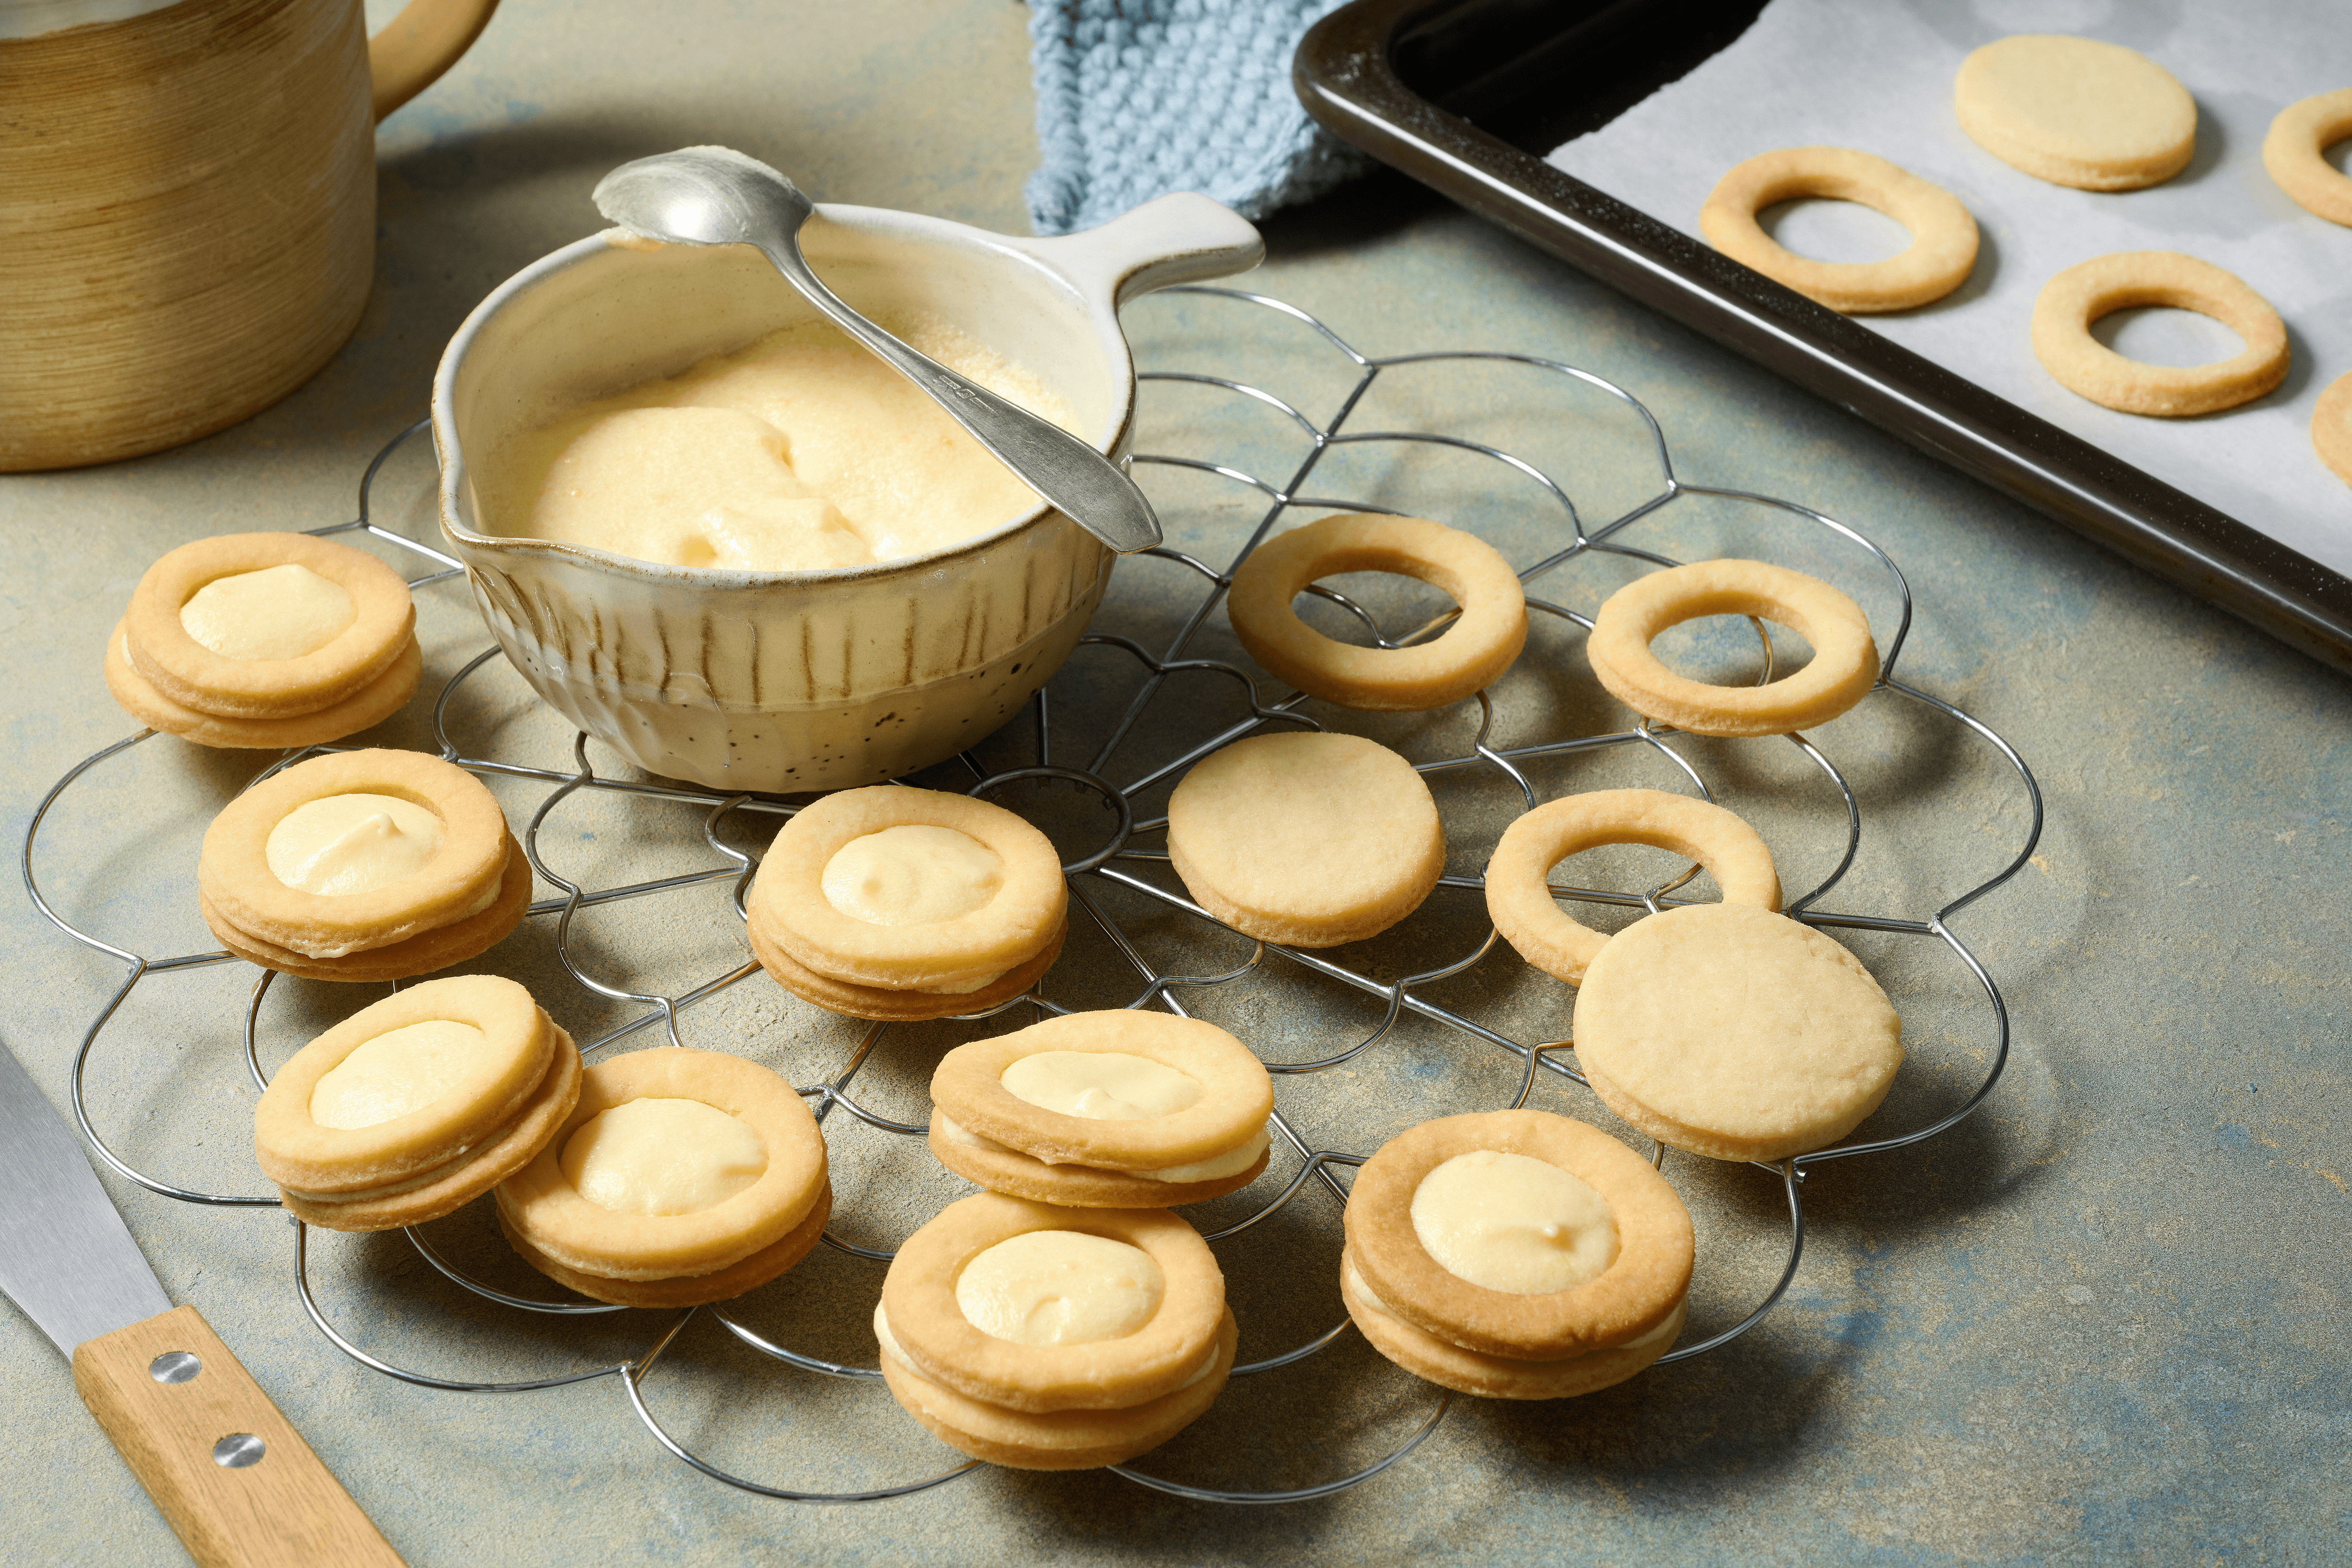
pixel 2102 1320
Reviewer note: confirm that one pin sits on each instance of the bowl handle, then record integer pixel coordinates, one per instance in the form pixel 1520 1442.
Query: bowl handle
pixel 418 45
pixel 1179 238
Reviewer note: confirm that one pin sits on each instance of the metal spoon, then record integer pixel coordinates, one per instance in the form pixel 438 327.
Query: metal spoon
pixel 712 195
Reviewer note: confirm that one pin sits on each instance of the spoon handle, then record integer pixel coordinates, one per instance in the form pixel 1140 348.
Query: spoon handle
pixel 1068 472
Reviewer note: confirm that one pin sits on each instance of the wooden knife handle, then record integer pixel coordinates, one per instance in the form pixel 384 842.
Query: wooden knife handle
pixel 229 1473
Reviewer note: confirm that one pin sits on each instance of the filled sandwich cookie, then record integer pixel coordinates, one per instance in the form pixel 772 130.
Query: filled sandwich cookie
pixel 364 866
pixel 265 640
pixel 1048 1338
pixel 898 903
pixel 680 1177
pixel 1516 1255
pixel 1117 1109
pixel 415 1106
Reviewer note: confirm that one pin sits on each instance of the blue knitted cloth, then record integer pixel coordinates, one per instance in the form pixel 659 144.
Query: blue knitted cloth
pixel 1139 98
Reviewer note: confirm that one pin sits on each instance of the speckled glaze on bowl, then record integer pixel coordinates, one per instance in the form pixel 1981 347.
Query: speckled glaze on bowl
pixel 779 681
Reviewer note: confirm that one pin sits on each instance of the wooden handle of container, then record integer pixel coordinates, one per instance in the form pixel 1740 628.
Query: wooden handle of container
pixel 418 45
pixel 228 1473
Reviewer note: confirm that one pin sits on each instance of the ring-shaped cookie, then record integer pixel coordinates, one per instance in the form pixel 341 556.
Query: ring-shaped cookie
pixel 1020 1176
pixel 364 710
pixel 462 871
pixel 1237 1093
pixel 1942 251
pixel 189 673
pixel 1466 657
pixel 2071 301
pixel 2331 427
pixel 788 900
pixel 919 1295
pixel 2294 152
pixel 1844 669
pixel 518 1044
pixel 1449 1366
pixel 548 1211
pixel 1060 1440
pixel 420 954
pixel 1519 900
pixel 465 1177
pixel 1637 1293
pixel 686 1290
pixel 897 1006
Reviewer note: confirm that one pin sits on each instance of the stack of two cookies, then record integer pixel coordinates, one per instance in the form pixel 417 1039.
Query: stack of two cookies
pixel 898 903
pixel 1067 1318
pixel 364 866
pixel 415 1106
pixel 1516 1255
pixel 265 640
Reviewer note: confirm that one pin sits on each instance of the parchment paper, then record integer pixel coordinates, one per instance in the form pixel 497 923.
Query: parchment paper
pixel 1877 75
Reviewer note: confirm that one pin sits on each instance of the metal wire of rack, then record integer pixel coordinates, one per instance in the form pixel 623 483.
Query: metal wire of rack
pixel 1108 866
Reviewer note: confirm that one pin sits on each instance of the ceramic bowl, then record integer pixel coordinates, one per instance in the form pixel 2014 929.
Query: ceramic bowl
pixel 784 681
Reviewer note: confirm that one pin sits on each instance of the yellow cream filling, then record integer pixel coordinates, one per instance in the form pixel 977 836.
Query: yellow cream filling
pixel 911 875
pixel 1514 1223
pixel 396 1072
pixel 891 1348
pixel 1103 1086
pixel 282 612
pixel 1060 1287
pixel 663 1157
pixel 352 843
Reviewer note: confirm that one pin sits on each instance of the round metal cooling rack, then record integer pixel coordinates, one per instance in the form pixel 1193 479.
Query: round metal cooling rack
pixel 1317 1165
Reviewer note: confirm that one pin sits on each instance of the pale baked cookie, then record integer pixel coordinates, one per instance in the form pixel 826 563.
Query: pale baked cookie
pixel 1518 896
pixel 1306 839
pixel 680 1177
pixel 2294 153
pixel 1466 657
pixel 265 640
pixel 363 866
pixel 1119 1108
pixel 1943 246
pixel 1736 1033
pixel 413 1107
pixel 898 1006
pixel 1844 669
pixel 939 898
pixel 2331 427
pixel 1516 1253
pixel 1054 1338
pixel 2076 111
pixel 2071 301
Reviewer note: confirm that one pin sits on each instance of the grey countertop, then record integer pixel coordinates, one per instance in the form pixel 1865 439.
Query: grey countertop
pixel 2102 1320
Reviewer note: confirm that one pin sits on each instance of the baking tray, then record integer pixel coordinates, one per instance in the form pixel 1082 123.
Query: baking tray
pixel 1466 96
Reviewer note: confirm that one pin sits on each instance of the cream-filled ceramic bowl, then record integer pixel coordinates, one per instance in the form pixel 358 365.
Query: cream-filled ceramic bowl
pixel 810 679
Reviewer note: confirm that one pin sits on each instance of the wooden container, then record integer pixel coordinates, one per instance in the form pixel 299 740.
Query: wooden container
pixel 187 208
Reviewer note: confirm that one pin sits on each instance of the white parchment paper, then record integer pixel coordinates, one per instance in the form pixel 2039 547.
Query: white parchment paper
pixel 1877 75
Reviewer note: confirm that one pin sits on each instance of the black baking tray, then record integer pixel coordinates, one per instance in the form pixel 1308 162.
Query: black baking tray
pixel 1466 96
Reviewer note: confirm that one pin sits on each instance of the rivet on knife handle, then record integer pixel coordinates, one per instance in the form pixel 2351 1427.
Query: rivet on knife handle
pixel 229 1473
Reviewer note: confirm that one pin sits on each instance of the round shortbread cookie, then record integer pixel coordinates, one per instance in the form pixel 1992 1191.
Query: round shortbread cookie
pixel 1636 1293
pixel 1011 1172
pixel 2331 427
pixel 897 1006
pixel 420 954
pixel 1449 1366
pixel 368 706
pixel 2294 153
pixel 1306 839
pixel 688 1289
pixel 1844 669
pixel 1518 894
pixel 2071 301
pixel 1237 1093
pixel 2076 111
pixel 1057 1439
pixel 559 1221
pixel 919 1297
pixel 1464 658
pixel 1942 251
pixel 471 1174
pixel 1736 1033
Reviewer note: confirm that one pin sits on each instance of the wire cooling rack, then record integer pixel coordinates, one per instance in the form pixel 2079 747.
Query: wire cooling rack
pixel 1118 863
